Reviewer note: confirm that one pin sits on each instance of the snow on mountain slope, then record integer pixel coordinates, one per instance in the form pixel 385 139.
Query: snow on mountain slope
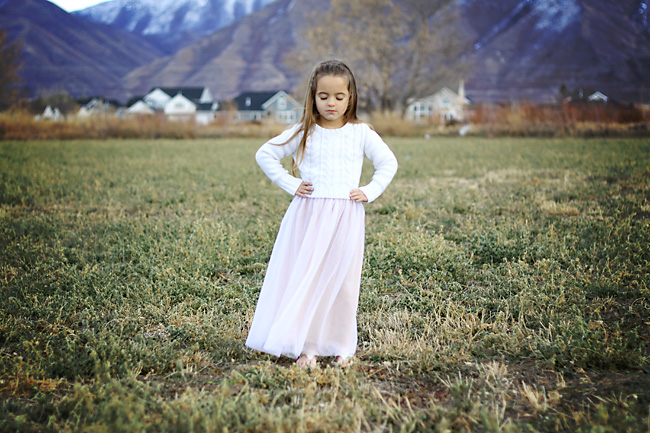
pixel 551 16
pixel 172 23
pixel 556 15
pixel 641 14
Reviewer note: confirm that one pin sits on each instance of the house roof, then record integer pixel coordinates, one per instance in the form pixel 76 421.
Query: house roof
pixel 133 100
pixel 206 106
pixel 141 107
pixel 255 100
pixel 444 92
pixel 586 95
pixel 192 93
pixel 89 99
pixel 281 94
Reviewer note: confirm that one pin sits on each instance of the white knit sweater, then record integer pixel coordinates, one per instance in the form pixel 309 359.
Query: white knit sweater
pixel 332 162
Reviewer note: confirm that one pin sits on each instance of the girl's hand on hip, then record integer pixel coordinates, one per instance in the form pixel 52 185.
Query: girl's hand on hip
pixel 358 195
pixel 305 189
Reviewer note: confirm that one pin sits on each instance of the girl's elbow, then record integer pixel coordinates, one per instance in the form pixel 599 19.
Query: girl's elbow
pixel 260 156
pixel 394 165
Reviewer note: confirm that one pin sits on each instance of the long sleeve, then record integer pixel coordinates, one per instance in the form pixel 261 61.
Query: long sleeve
pixel 384 162
pixel 268 158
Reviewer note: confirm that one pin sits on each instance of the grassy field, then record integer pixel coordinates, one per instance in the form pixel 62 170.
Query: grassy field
pixel 505 288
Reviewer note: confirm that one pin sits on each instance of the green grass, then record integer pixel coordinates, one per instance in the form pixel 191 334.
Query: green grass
pixel 505 288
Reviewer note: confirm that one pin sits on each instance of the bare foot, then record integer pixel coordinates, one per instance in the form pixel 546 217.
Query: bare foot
pixel 342 362
pixel 306 361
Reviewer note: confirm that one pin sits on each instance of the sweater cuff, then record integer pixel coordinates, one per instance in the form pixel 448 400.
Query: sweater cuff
pixel 289 184
pixel 371 191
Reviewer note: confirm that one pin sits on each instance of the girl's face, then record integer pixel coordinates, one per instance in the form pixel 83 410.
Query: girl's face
pixel 332 99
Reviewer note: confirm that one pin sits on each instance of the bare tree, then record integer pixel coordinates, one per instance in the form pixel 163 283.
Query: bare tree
pixel 10 65
pixel 398 48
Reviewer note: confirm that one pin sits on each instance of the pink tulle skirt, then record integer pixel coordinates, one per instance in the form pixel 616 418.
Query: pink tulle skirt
pixel 309 298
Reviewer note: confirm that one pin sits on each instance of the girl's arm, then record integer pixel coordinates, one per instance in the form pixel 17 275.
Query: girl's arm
pixel 385 165
pixel 269 155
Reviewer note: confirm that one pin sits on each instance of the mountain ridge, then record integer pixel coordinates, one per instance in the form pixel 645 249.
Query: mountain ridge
pixel 236 58
pixel 518 49
pixel 599 48
pixel 64 52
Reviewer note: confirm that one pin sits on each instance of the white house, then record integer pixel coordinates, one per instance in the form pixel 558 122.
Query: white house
pixel 206 113
pixel 96 106
pixel 579 95
pixel 178 103
pixel 159 96
pixel 140 107
pixel 275 106
pixel 50 114
pixel 598 96
pixel 445 105
pixel 180 108
pixel 156 98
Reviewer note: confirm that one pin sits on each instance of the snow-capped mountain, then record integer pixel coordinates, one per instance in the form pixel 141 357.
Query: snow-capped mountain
pixel 526 49
pixel 172 24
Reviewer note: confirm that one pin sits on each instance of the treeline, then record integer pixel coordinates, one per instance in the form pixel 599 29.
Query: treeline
pixel 22 125
pixel 518 120
pixel 560 120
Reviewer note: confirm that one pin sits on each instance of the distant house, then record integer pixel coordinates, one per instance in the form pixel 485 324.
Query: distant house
pixel 206 112
pixel 598 96
pixel 275 106
pixel 585 95
pixel 179 107
pixel 178 103
pixel 95 106
pixel 445 105
pixel 158 97
pixel 140 107
pixel 50 114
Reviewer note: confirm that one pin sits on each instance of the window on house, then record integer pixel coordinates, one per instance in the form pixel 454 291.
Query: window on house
pixel 422 110
pixel 286 116
pixel 248 102
pixel 282 104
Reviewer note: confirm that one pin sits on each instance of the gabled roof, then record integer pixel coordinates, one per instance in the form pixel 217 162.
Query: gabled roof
pixel 140 107
pixel 98 99
pixel 444 92
pixel 584 94
pixel 133 100
pixel 253 101
pixel 278 95
pixel 192 93
pixel 207 106
pixel 598 96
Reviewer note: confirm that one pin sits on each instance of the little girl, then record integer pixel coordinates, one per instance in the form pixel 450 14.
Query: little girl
pixel 308 302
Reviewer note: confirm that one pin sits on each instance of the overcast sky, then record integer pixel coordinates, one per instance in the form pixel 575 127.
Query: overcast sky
pixel 73 5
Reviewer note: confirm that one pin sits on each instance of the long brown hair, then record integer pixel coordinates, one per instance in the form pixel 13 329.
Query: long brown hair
pixel 310 114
